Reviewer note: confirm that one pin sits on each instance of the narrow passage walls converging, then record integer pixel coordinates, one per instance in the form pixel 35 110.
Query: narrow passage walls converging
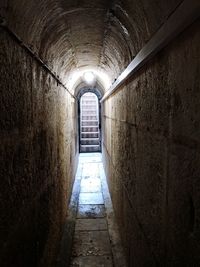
pixel 145 57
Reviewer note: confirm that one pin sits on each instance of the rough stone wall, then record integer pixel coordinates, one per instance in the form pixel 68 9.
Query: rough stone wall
pixel 151 155
pixel 37 156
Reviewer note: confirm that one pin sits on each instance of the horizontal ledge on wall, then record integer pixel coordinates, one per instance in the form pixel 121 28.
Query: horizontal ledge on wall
pixel 33 55
pixel 186 13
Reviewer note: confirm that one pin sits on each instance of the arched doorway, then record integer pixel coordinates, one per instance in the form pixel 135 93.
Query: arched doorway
pixel 89 121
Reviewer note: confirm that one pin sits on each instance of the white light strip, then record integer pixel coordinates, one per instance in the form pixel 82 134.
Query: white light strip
pixel 78 75
pixel 89 77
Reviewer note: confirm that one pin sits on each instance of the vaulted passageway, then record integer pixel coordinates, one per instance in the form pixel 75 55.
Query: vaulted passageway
pixel 145 57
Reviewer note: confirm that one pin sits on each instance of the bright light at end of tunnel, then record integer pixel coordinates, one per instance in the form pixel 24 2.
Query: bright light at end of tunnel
pixel 89 77
pixel 76 76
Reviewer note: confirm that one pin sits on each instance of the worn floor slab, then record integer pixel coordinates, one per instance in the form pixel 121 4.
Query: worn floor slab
pixel 91 169
pixel 91 224
pixel 91 198
pixel 90 185
pixel 94 243
pixel 92 261
pixel 91 211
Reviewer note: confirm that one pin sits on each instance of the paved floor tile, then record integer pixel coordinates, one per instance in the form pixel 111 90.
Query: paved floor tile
pixel 90 169
pixel 91 224
pixel 91 211
pixel 91 243
pixel 91 185
pixel 91 198
pixel 92 261
pixel 95 158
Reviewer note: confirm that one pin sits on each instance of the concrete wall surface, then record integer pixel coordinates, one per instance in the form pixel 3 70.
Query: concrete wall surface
pixel 38 157
pixel 151 155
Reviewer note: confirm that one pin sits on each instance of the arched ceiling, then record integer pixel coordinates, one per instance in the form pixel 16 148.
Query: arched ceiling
pixel 74 36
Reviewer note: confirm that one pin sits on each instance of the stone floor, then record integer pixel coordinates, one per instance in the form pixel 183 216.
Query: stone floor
pixel 96 241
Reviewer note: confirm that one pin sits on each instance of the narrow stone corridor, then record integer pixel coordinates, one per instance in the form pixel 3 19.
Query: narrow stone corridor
pixel 93 244
pixel 141 60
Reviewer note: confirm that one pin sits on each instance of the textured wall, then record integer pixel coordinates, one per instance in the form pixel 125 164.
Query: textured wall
pixel 77 35
pixel 152 160
pixel 37 158
pixel 151 129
